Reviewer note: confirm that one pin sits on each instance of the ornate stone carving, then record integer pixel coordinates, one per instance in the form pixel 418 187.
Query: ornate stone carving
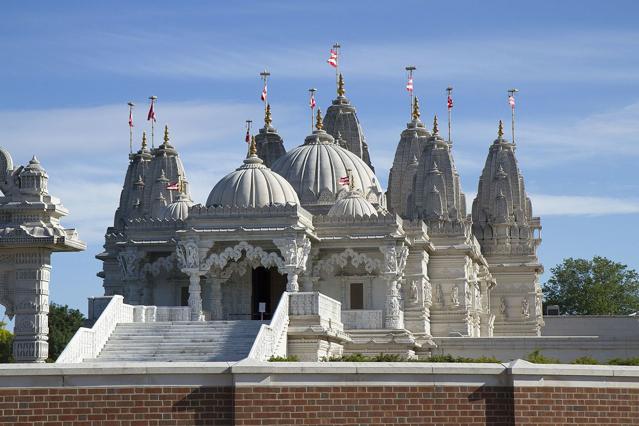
pixel 188 255
pixel 454 297
pixel 394 259
pixel 525 308
pixel 129 261
pixel 414 291
pixel 503 307
pixel 341 260
pixel 243 248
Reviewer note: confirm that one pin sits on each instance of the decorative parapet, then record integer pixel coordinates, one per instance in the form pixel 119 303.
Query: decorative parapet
pixel 271 339
pixel 322 313
pixel 362 319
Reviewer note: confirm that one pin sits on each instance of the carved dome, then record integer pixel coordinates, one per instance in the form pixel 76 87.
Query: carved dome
pixel 314 170
pixel 252 185
pixel 178 210
pixel 352 205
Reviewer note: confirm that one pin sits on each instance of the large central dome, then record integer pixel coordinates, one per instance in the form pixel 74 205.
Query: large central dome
pixel 315 168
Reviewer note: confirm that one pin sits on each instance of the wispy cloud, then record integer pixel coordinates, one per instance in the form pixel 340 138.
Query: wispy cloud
pixel 568 205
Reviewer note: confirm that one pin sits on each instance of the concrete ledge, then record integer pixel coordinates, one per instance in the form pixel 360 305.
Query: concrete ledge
pixel 249 373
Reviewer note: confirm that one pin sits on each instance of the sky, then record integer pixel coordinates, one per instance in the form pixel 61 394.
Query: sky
pixel 70 67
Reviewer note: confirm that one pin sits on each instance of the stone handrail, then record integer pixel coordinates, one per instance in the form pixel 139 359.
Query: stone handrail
pixel 271 339
pixel 88 342
pixel 317 304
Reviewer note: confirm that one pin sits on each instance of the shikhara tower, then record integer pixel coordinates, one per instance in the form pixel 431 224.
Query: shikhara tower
pixel 509 235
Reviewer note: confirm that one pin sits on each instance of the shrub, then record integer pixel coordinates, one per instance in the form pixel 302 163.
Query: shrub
pixel 537 358
pixel 450 358
pixel 585 360
pixel 288 358
pixel 624 361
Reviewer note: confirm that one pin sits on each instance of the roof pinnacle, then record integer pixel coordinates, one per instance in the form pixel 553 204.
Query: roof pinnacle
pixel 143 141
pixel 416 112
pixel 319 125
pixel 340 86
pixel 166 134
pixel 500 130
pixel 267 116
pixel 435 126
pixel 252 147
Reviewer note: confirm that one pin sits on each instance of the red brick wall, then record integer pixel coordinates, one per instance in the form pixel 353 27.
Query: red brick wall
pixel 116 406
pixel 352 405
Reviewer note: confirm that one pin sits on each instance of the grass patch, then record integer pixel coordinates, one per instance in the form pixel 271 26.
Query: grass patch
pixel 289 358
pixel 537 358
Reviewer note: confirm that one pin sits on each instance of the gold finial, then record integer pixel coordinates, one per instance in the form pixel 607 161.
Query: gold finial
pixel 143 141
pixel 181 184
pixel 435 126
pixel 318 124
pixel 340 86
pixel 351 182
pixel 416 113
pixel 267 115
pixel 252 148
pixel 500 130
pixel 166 134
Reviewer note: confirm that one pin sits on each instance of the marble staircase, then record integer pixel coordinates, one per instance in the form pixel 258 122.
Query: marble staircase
pixel 179 341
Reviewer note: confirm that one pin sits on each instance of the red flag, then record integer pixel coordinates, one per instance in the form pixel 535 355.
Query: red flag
pixel 175 186
pixel 409 85
pixel 344 180
pixel 264 92
pixel 151 115
pixel 130 118
pixel 247 139
pixel 332 60
pixel 312 102
pixel 450 102
pixel 511 101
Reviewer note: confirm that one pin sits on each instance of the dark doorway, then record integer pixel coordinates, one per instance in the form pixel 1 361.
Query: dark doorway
pixel 267 287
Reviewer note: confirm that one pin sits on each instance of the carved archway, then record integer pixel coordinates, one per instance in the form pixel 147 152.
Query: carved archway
pixel 343 259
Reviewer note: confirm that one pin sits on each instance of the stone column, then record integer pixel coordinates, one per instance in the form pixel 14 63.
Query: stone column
pixel 292 277
pixel 195 297
pixel 295 251
pixel 32 305
pixel 392 318
pixel 215 300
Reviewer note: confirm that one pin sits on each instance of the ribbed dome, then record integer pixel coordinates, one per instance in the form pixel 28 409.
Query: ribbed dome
pixel 178 210
pixel 352 205
pixel 314 170
pixel 252 185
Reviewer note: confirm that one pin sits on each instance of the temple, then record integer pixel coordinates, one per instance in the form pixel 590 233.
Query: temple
pixel 303 253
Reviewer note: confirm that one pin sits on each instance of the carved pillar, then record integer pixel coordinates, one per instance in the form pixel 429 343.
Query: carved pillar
pixel 188 255
pixel 394 264
pixel 32 305
pixel 215 297
pixel 295 251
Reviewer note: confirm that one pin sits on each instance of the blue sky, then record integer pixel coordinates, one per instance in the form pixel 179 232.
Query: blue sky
pixel 70 67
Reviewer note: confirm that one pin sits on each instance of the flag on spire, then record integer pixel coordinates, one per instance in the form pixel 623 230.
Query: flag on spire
pixel 450 102
pixel 332 59
pixel 130 117
pixel 247 138
pixel 151 115
pixel 511 101
pixel 173 186
pixel 312 102
pixel 264 92
pixel 345 180
pixel 409 85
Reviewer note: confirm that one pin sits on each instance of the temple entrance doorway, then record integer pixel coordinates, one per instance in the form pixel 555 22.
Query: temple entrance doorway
pixel 267 286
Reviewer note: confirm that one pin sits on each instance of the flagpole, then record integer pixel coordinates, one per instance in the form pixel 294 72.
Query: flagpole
pixel 511 93
pixel 265 74
pixel 153 99
pixel 131 105
pixel 336 47
pixel 312 92
pixel 449 91
pixel 410 70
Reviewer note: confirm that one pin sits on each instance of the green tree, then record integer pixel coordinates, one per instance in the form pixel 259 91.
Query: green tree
pixel 63 323
pixel 6 344
pixel 593 287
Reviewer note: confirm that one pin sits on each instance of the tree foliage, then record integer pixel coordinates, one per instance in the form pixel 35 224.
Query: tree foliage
pixel 63 323
pixel 593 287
pixel 6 344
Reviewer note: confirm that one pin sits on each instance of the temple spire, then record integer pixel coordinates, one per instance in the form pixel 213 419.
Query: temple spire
pixel 267 116
pixel 166 134
pixel 340 86
pixel 252 148
pixel 318 123
pixel 500 130
pixel 435 126
pixel 416 113
pixel 143 141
